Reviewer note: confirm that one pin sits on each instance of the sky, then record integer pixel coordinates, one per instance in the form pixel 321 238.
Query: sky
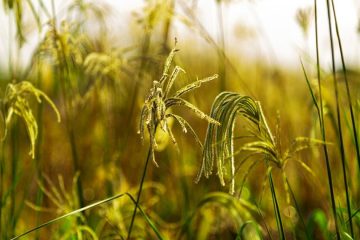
pixel 263 29
pixel 278 38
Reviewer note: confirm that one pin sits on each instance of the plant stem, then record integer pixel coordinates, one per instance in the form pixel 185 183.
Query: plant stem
pixel 39 194
pixel 14 181
pixel 342 151
pixel 276 208
pixel 352 121
pixel 140 190
pixel 271 182
pixel 357 147
pixel 322 126
pixel 2 167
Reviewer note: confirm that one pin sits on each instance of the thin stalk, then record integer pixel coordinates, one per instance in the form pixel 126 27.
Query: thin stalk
pixel 39 194
pixel 39 120
pixel 271 183
pixel 276 208
pixel 77 211
pixel 322 126
pixel 2 167
pixel 341 141
pixel 10 224
pixel 14 167
pixel 141 187
pixel 348 94
pixel 351 114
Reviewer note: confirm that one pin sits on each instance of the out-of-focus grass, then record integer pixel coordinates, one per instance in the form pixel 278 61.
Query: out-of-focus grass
pixel 99 89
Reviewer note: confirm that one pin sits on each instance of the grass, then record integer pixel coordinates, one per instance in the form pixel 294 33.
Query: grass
pixel 268 133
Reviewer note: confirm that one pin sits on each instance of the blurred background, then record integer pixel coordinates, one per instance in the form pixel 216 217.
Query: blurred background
pixel 111 52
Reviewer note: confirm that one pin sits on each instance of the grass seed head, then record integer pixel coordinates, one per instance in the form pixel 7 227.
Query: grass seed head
pixel 155 110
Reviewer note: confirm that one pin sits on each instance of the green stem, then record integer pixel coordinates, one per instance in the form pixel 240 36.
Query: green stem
pixel 150 154
pixel 342 149
pixel 2 167
pixel 140 190
pixel 14 166
pixel 39 120
pixel 276 208
pixel 352 120
pixel 322 127
pixel 347 87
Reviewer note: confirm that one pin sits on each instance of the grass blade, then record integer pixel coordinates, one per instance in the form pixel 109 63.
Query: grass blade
pixel 148 220
pixel 353 122
pixel 322 124
pixel 340 136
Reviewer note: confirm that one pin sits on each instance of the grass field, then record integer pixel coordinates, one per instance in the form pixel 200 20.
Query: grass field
pixel 166 137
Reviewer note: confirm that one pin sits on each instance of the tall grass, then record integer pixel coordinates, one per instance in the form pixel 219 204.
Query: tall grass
pixel 275 184
pixel 154 114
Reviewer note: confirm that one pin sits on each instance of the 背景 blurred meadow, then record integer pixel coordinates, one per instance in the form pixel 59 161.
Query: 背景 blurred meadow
pixel 155 125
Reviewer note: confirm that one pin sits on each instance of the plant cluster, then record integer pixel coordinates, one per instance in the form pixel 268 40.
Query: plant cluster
pixel 86 167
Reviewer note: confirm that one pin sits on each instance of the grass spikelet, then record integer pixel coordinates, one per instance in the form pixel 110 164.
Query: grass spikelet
pixel 219 144
pixel 158 102
pixel 102 64
pixel 154 113
pixel 16 102
pixel 194 85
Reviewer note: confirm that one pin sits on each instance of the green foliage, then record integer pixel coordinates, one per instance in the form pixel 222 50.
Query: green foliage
pixel 235 215
pixel 98 79
pixel 318 219
pixel 86 229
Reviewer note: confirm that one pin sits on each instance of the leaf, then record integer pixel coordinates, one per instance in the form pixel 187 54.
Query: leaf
pixel 75 212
